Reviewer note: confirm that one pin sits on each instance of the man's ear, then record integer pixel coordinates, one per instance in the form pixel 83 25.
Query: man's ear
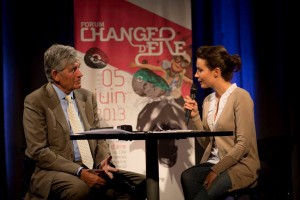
pixel 54 75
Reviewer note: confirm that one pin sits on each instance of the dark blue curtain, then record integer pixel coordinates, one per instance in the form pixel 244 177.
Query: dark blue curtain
pixel 28 28
pixel 227 23
pixel 264 34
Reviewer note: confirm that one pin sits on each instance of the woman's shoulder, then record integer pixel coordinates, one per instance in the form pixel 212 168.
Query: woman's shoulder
pixel 241 94
pixel 241 91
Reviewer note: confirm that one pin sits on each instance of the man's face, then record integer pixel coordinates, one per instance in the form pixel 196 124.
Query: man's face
pixel 68 79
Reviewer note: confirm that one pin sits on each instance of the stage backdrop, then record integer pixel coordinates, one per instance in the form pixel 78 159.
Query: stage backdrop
pixel 136 58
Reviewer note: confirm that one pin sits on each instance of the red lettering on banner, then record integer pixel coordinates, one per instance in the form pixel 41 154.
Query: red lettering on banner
pixel 148 40
pixel 111 97
pixel 111 82
pixel 112 114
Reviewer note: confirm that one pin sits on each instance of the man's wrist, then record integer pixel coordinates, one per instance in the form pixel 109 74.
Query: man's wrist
pixel 79 171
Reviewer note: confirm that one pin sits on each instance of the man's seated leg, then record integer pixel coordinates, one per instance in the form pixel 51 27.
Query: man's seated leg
pixel 126 185
pixel 67 186
pixel 136 184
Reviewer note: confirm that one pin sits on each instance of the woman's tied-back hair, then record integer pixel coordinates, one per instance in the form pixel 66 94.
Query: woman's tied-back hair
pixel 57 57
pixel 217 56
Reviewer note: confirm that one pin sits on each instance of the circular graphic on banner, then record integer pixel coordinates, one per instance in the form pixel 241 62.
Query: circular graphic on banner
pixel 146 83
pixel 95 58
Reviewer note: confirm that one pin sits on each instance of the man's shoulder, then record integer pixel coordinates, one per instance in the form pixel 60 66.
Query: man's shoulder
pixel 83 92
pixel 38 92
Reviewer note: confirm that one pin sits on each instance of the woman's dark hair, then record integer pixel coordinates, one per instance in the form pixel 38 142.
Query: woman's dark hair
pixel 217 56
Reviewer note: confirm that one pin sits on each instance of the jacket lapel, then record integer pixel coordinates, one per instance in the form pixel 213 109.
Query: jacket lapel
pixel 81 101
pixel 54 105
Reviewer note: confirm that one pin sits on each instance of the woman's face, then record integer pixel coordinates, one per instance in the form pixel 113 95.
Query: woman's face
pixel 204 75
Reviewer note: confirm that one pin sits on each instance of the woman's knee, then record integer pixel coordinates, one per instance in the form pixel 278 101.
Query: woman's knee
pixel 186 176
pixel 183 180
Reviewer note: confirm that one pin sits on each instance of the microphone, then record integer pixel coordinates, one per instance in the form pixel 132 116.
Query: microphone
pixel 193 93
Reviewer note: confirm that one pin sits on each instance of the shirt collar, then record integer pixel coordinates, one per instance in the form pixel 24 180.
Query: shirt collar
pixel 60 93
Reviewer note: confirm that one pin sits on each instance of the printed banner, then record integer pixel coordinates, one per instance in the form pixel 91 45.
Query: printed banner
pixel 136 58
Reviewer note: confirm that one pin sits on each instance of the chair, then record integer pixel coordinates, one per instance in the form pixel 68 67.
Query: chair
pixel 28 168
pixel 251 192
pixel 242 194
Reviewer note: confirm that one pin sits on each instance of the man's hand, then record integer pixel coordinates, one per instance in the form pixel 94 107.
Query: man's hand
pixel 107 168
pixel 92 179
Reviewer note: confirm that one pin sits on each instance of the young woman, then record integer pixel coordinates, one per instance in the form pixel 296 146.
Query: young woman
pixel 231 162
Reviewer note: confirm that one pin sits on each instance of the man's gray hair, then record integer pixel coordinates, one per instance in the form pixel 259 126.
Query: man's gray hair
pixel 57 57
